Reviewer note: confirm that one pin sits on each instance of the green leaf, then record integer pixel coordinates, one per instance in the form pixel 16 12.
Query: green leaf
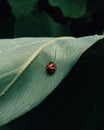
pixel 38 24
pixel 23 77
pixel 71 8
pixel 20 7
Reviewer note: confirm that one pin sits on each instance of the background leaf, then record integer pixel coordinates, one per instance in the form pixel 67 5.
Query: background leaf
pixel 71 8
pixel 26 59
pixel 38 24
pixel 21 7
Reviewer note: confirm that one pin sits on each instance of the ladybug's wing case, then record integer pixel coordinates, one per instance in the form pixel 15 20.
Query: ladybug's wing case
pixel 51 67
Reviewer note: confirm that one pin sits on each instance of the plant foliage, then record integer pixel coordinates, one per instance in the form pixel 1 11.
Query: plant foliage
pixel 24 82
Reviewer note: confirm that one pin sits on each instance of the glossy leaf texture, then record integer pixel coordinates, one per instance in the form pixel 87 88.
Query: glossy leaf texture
pixel 71 8
pixel 20 7
pixel 42 25
pixel 24 82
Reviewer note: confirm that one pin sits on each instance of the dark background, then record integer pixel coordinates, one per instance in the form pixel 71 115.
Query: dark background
pixel 91 23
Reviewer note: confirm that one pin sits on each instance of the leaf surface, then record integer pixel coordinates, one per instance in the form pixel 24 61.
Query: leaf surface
pixel 24 81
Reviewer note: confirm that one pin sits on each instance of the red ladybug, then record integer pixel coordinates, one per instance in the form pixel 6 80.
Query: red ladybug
pixel 50 67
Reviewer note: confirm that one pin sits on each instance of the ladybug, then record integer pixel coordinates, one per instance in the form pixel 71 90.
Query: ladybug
pixel 51 67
